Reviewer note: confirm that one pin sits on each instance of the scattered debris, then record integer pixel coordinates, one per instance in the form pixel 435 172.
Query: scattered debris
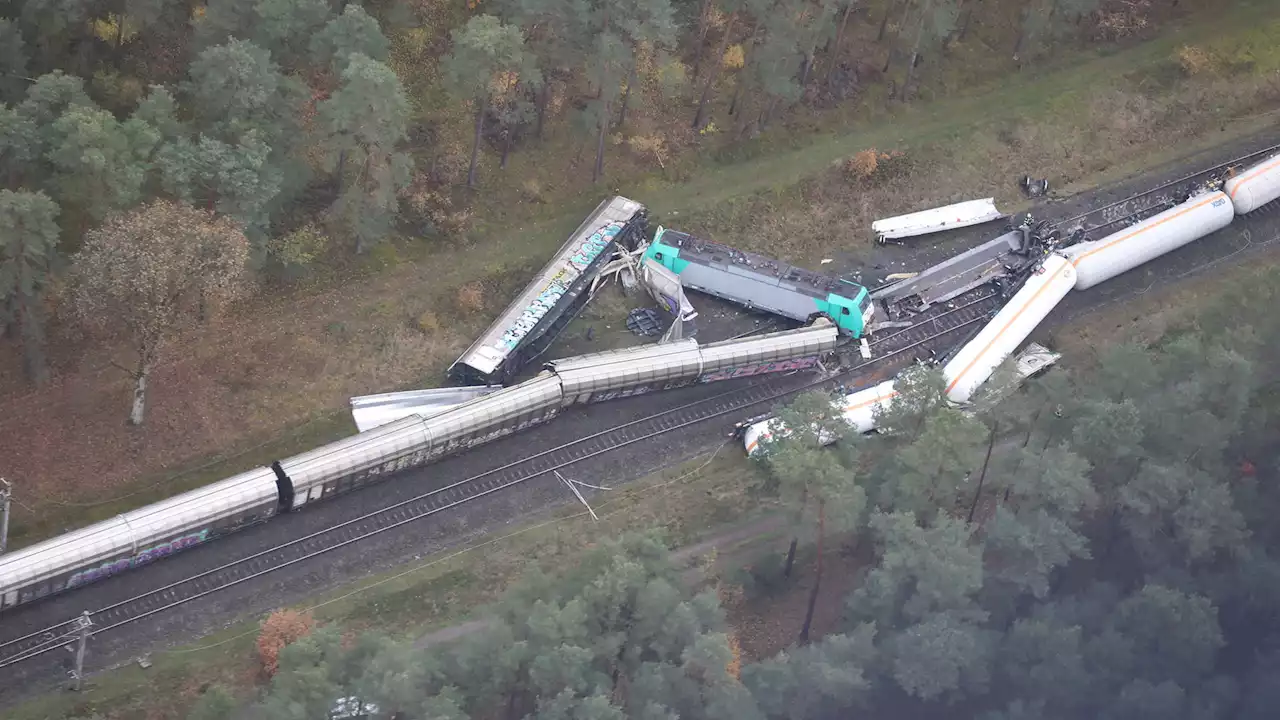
pixel 1034 188
pixel 645 322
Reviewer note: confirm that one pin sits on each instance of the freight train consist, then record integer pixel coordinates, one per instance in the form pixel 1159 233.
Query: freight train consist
pixel 141 536
pixel 1078 267
pixel 523 331
pixel 760 283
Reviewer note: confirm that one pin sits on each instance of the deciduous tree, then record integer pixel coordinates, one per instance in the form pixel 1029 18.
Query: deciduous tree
pixel 28 251
pixel 149 274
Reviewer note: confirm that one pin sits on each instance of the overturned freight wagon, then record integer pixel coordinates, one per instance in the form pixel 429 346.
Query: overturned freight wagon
pixel 557 294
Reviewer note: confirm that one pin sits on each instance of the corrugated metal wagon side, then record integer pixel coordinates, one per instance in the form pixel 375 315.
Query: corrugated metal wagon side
pixel 135 538
pixel 632 371
pixel 506 411
pixel 775 352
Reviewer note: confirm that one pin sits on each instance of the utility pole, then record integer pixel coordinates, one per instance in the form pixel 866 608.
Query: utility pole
pixel 83 624
pixel 6 489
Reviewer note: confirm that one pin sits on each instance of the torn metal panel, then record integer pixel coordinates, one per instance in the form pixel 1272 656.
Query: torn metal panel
pixel 371 411
pixel 954 276
pixel 668 291
pixel 1034 359
pixel 972 212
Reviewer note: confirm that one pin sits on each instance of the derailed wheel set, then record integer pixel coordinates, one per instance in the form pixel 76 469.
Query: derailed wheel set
pixel 532 322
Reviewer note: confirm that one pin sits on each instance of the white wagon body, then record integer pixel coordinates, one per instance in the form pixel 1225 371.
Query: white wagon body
pixel 1097 261
pixel 1256 186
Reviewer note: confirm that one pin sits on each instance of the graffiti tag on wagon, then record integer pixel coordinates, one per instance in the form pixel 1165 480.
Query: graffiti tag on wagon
pixel 142 558
pixel 741 371
pixel 582 257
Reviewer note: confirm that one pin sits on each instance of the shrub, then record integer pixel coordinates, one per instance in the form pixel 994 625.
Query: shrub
pixel 279 630
pixel 470 298
pixel 1195 60
pixel 871 164
pixel 299 248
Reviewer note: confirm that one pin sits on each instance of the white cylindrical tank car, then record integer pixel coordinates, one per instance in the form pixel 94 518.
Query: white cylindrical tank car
pixel 1256 186
pixel 1025 310
pixel 1097 261
pixel 859 411
pixel 861 407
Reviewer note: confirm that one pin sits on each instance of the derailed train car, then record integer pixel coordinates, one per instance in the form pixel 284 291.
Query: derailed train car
pixel 557 294
pixel 141 536
pixel 1078 267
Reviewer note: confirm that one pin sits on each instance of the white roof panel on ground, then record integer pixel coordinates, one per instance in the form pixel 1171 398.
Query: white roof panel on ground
pixel 972 212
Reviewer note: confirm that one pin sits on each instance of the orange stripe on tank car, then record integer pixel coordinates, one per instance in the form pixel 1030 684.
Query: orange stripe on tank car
pixel 996 337
pixel 1253 174
pixel 872 401
pixel 1076 261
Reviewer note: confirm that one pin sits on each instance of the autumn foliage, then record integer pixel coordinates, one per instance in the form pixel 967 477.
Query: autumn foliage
pixel 279 630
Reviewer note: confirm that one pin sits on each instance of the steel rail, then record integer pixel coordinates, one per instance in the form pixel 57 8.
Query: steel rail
pixel 1184 180
pixel 493 480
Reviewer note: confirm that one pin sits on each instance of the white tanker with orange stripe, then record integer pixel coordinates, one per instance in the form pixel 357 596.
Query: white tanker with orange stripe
pixel 1078 267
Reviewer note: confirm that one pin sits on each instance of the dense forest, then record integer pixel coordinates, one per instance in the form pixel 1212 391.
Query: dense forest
pixel 291 132
pixel 1097 544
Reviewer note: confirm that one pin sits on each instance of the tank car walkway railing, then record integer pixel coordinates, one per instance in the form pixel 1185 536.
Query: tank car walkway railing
pixel 930 331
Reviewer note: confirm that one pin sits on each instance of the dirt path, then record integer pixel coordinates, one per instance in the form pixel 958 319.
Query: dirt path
pixel 729 540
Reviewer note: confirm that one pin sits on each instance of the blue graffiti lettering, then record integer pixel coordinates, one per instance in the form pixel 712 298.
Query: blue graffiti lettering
pixel 583 256
pixel 143 557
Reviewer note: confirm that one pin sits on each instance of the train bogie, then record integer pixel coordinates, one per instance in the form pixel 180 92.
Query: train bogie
pixel 351 462
pixel 136 538
pixel 1097 261
pixel 1255 187
pixel 978 359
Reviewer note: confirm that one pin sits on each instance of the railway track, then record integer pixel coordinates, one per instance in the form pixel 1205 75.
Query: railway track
pixel 1111 217
pixel 929 332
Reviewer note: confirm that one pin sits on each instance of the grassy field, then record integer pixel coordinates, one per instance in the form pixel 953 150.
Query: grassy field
pixel 275 380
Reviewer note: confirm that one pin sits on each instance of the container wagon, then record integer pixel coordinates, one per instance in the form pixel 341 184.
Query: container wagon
pixel 531 323
pixel 758 282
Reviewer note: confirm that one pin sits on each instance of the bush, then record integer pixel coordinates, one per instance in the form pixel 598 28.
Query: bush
pixel 470 299
pixel 871 164
pixel 279 630
pixel 1195 60
pixel 765 577
pixel 300 248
